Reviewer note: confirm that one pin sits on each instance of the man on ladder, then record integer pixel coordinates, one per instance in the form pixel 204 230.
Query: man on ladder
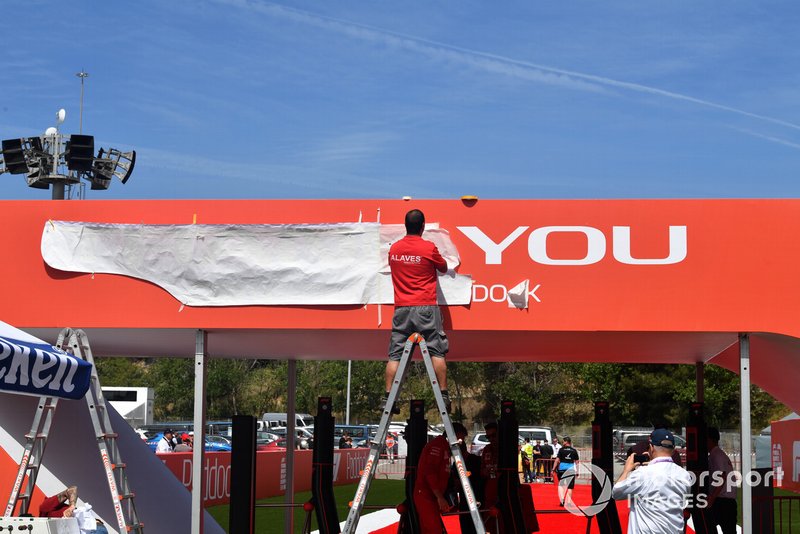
pixel 414 263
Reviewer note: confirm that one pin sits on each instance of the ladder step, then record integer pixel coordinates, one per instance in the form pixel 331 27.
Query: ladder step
pixel 130 495
pixel 120 466
pixel 108 435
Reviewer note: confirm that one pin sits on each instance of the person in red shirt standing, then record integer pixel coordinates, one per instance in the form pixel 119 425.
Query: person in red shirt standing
pixel 433 474
pixel 414 263
pixel 390 442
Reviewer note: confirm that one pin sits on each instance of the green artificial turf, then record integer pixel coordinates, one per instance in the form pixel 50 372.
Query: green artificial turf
pixel 271 520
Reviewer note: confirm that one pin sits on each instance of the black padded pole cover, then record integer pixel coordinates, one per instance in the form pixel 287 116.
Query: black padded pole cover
pixel 508 482
pixel 416 437
pixel 322 496
pixel 697 462
pixel 243 469
pixel 603 457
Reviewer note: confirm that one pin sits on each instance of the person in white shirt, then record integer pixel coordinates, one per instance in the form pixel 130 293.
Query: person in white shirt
pixel 165 443
pixel 657 489
pixel 722 496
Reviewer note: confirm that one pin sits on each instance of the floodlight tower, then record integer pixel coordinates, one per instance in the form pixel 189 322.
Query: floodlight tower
pixel 82 75
pixel 63 160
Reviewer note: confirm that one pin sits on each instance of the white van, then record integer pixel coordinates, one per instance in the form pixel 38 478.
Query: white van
pixel 275 419
pixel 537 433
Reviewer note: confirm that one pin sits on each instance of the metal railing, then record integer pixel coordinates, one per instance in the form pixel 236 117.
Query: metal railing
pixel 779 514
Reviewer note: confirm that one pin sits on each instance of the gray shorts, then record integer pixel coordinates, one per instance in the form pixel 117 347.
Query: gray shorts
pixel 425 320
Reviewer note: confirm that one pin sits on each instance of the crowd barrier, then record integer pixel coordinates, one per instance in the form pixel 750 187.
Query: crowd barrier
pixel 270 471
pixel 779 513
pixel 394 468
pixel 543 469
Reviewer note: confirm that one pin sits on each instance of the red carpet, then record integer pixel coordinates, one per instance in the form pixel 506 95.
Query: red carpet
pixel 545 497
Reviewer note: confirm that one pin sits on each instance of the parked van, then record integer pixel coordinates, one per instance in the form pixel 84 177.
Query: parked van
pixel 273 420
pixel 537 433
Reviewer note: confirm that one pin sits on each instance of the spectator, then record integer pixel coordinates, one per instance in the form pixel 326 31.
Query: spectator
pixel 166 444
pixel 643 446
pixel 658 488
pixel 537 455
pixel 527 474
pixel 186 443
pixel 547 455
pixel 433 473
pixel 343 440
pixel 564 469
pixel 527 456
pixel 556 447
pixel 722 498
pixel 390 443
pixel 414 263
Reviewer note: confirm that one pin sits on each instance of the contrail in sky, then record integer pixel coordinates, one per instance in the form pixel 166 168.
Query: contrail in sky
pixel 483 60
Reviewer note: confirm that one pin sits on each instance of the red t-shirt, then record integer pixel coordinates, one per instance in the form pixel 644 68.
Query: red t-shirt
pixel 433 469
pixel 52 507
pixel 414 262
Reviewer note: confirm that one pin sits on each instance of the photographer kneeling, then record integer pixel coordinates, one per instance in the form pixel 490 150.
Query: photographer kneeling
pixel 657 488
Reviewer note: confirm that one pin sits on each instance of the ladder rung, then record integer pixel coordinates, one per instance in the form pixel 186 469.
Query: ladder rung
pixel 108 435
pixel 119 466
pixel 130 495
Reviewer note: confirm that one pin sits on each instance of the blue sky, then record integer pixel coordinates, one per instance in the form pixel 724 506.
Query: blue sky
pixel 355 99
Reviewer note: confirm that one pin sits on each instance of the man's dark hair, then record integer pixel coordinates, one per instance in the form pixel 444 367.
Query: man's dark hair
pixel 458 428
pixel 415 222
pixel 490 426
pixel 567 439
pixel 713 433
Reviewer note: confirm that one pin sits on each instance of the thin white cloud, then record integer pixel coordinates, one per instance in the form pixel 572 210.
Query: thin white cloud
pixel 767 137
pixel 482 60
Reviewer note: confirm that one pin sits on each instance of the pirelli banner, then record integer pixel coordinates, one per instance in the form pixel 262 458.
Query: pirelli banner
pixel 29 366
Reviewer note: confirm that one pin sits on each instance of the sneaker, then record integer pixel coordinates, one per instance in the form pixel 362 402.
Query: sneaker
pixel 395 408
pixel 446 399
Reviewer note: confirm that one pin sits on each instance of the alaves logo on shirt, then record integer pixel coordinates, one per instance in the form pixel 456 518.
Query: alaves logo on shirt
pixel 406 258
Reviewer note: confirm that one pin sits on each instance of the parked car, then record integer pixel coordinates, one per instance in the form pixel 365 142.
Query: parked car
pixel 211 446
pixel 265 439
pixel 479 441
pixel 304 440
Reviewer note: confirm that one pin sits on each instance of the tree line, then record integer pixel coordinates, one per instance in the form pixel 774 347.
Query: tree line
pixel 544 392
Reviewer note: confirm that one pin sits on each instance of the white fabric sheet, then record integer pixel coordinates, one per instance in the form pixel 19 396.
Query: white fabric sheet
pixel 254 264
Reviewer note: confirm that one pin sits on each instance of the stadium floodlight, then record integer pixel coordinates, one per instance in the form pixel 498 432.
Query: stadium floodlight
pixel 59 160
pixel 112 163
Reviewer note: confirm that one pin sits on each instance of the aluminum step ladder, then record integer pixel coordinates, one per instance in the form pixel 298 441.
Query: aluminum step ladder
pixel 377 442
pixel 76 343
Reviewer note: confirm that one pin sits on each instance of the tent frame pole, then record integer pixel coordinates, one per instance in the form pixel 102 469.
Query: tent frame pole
pixel 198 452
pixel 699 377
pixel 747 458
pixel 291 394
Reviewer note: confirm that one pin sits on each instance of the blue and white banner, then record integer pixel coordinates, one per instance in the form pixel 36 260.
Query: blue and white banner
pixel 30 366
